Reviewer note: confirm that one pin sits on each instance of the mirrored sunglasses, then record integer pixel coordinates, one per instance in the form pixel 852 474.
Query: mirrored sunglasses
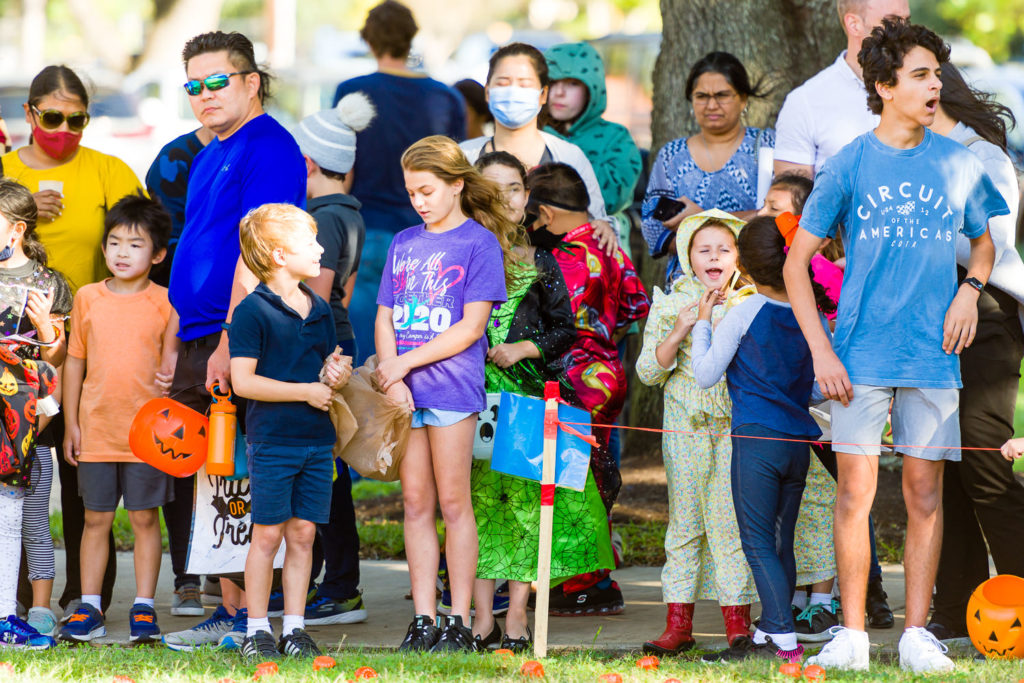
pixel 214 82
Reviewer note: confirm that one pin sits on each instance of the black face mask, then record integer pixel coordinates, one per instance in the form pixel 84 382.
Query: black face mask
pixel 541 237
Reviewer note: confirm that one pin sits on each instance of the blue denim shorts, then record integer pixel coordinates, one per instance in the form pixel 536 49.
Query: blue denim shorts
pixel 434 417
pixel 290 481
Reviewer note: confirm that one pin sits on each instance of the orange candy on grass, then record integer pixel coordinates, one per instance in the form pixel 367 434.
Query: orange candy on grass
pixel 324 662
pixel 265 669
pixel 123 679
pixel 610 678
pixel 532 669
pixel 365 672
pixel 814 673
pixel 791 669
pixel 650 663
pixel 504 652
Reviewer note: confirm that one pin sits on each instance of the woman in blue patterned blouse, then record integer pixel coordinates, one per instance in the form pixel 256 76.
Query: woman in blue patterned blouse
pixel 717 167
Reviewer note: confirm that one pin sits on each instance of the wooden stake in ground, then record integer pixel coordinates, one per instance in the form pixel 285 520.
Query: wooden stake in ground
pixel 547 511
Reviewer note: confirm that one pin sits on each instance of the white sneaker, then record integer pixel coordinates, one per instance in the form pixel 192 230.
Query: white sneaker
pixel 847 650
pixel 921 652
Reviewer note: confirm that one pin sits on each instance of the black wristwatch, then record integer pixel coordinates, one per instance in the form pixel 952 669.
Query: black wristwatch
pixel 974 282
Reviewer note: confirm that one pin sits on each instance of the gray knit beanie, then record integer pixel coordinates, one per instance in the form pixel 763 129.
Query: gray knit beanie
pixel 328 137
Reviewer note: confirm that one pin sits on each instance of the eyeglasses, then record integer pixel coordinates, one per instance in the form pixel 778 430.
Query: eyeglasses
pixel 214 82
pixel 723 97
pixel 51 119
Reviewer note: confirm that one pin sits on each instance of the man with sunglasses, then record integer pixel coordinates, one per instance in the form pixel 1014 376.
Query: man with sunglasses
pixel 252 160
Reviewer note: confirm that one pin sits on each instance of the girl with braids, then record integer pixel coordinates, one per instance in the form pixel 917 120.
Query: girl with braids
pixel 34 301
pixel 527 335
pixel 441 281
pixel 760 349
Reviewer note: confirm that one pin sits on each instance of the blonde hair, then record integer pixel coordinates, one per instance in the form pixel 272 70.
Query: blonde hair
pixel 267 228
pixel 481 199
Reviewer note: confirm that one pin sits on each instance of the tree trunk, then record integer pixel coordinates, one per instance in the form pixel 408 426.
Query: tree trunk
pixel 784 42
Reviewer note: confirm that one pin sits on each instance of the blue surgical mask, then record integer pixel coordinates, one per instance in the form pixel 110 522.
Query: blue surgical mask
pixel 513 107
pixel 7 252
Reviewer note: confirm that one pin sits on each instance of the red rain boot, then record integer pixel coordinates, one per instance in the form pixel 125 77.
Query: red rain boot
pixel 737 622
pixel 678 626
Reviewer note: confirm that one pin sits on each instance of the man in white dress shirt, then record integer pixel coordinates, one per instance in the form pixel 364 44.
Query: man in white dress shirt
pixel 829 110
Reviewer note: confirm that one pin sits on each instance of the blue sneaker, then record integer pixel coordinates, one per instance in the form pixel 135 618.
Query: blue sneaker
pixel 16 633
pixel 84 625
pixel 142 624
pixel 275 606
pixel 232 640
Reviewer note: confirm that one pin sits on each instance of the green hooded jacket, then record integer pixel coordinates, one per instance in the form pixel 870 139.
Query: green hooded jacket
pixel 608 146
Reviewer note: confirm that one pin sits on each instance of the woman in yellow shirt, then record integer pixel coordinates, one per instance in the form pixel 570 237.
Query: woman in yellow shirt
pixel 73 185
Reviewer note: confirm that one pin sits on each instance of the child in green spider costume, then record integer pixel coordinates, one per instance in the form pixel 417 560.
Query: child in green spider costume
pixel 526 335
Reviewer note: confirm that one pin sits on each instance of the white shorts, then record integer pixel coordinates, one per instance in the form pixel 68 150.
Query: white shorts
pixel 925 422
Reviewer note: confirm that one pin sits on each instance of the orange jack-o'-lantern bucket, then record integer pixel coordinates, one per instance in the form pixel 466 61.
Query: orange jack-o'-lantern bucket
pixel 170 436
pixel 995 614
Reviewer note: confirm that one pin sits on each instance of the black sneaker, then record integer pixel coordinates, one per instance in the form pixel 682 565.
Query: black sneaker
pixel 492 639
pixel 813 623
pixel 946 635
pixel 298 644
pixel 591 602
pixel 878 611
pixel 260 645
pixel 422 635
pixel 745 648
pixel 454 636
pixel 518 645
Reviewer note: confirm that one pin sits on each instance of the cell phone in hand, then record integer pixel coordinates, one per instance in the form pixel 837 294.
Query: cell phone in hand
pixel 667 208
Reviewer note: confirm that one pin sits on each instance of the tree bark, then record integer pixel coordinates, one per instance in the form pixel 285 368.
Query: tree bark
pixel 783 43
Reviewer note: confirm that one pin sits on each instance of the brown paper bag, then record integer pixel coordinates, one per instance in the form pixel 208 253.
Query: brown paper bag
pixel 376 448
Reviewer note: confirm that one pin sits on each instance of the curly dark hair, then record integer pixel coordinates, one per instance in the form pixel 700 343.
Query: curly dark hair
pixel 240 53
pixel 389 30
pixel 763 254
pixel 881 54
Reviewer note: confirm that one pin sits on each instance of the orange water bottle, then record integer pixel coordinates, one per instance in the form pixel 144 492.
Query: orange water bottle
pixel 220 454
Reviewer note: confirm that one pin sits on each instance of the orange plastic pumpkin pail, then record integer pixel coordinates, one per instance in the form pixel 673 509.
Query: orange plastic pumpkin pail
pixel 170 436
pixel 995 614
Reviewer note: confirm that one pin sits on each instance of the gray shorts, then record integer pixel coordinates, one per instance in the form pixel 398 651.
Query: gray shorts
pixel 103 484
pixel 920 418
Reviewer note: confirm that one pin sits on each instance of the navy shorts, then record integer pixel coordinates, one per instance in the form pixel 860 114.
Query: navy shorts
pixel 290 481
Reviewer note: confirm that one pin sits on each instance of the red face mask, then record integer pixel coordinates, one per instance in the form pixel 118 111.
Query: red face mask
pixel 57 144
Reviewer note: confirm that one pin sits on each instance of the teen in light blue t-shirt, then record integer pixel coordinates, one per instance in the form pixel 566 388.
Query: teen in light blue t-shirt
pixel 900 211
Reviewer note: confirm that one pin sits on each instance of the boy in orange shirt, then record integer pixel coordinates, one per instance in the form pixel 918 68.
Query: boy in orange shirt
pixel 121 354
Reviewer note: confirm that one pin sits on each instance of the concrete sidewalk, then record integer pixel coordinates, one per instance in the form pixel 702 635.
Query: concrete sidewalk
pixel 385 583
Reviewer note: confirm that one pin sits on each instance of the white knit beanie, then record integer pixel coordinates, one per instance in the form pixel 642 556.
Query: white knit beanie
pixel 328 137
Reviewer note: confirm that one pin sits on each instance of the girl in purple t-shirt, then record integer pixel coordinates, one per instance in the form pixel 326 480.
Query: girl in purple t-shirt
pixel 440 282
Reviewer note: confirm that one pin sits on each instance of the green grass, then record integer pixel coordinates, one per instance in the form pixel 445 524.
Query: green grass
pixel 146 665
pixel 370 488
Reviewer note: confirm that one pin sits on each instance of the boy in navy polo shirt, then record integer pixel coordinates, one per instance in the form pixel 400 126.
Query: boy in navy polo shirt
pixel 281 340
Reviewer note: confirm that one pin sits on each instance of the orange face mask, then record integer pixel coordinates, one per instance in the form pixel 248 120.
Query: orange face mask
pixel 787 224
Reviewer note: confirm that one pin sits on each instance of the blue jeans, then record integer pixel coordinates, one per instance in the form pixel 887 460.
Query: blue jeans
pixel 767 484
